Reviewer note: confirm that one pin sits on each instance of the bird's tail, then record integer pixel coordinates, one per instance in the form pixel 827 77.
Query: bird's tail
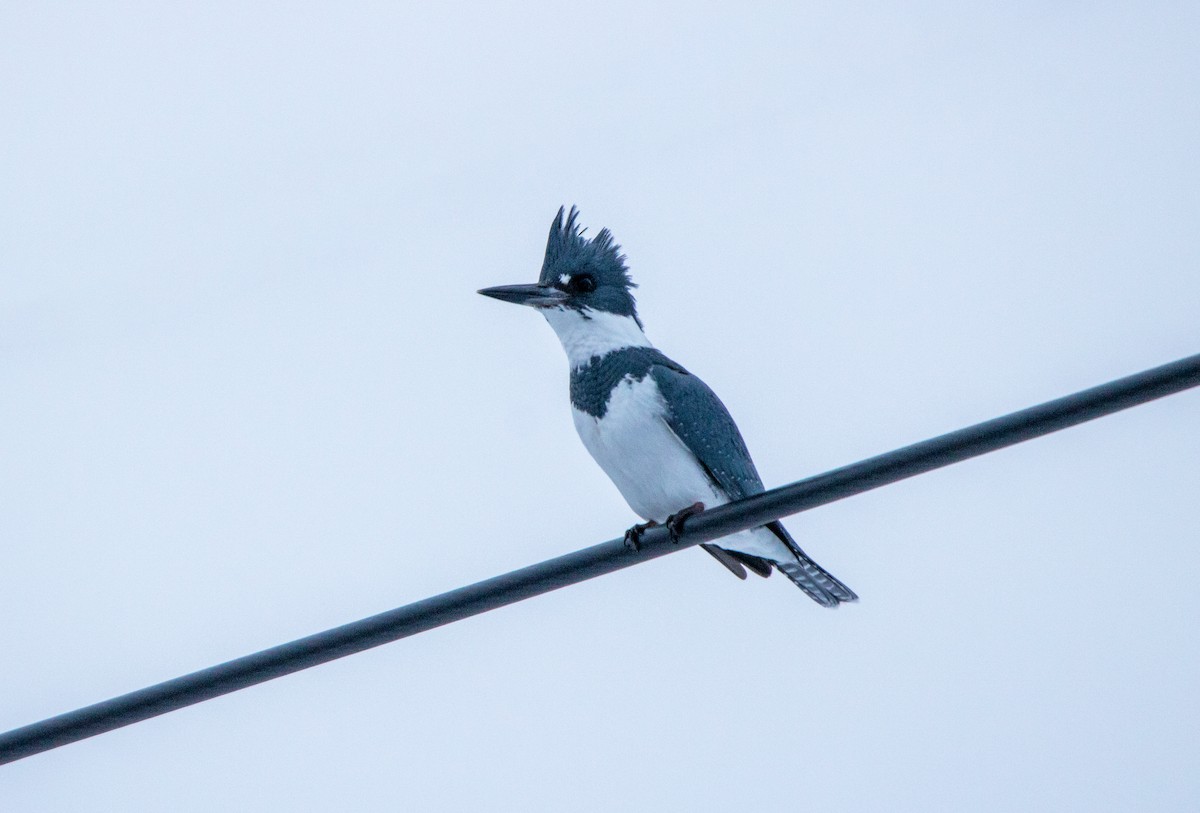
pixel 817 582
pixel 820 585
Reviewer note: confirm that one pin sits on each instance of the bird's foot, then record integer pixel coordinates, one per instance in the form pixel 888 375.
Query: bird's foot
pixel 675 522
pixel 633 537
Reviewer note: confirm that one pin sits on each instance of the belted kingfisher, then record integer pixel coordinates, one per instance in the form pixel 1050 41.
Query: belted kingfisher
pixel 662 436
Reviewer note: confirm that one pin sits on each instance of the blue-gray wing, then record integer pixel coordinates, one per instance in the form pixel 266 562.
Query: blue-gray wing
pixel 697 416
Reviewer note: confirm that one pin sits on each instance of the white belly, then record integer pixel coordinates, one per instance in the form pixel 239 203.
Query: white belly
pixel 651 467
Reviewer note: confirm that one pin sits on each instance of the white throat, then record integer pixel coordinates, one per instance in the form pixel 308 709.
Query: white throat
pixel 590 333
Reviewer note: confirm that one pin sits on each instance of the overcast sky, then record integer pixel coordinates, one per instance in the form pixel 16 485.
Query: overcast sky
pixel 248 393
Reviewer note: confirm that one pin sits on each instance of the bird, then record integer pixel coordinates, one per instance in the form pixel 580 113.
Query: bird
pixel 660 433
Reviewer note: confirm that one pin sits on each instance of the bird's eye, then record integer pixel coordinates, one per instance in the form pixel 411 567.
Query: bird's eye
pixel 583 283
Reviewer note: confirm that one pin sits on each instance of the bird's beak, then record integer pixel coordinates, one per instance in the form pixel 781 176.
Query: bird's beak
pixel 537 296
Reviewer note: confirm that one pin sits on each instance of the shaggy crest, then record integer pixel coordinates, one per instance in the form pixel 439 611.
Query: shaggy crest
pixel 569 253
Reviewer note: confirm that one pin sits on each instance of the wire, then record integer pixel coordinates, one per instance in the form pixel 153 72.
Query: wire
pixel 598 560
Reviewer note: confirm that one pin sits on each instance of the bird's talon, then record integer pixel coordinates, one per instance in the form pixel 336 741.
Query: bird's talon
pixel 675 522
pixel 633 537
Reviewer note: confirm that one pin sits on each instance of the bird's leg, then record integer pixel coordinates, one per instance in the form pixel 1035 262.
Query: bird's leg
pixel 633 537
pixel 675 522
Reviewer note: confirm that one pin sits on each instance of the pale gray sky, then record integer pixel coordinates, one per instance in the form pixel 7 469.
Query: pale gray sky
pixel 249 393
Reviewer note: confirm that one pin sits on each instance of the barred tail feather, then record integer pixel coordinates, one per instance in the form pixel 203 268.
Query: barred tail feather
pixel 814 580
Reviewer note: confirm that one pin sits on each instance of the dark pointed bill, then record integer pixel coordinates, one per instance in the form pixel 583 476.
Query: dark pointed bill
pixel 538 296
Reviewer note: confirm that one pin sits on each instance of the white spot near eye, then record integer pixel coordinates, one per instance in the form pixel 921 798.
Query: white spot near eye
pixel 564 278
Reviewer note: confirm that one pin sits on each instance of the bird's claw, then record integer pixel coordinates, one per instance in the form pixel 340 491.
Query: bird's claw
pixel 633 537
pixel 675 522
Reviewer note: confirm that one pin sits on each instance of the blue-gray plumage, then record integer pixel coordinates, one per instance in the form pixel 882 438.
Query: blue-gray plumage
pixel 592 384
pixel 659 432
pixel 569 255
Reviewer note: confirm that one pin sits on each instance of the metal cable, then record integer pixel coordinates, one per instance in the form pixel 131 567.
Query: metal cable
pixel 598 559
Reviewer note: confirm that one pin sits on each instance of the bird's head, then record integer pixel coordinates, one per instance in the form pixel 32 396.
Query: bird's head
pixel 578 274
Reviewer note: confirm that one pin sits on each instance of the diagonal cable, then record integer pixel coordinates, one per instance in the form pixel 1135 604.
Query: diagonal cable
pixel 599 559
